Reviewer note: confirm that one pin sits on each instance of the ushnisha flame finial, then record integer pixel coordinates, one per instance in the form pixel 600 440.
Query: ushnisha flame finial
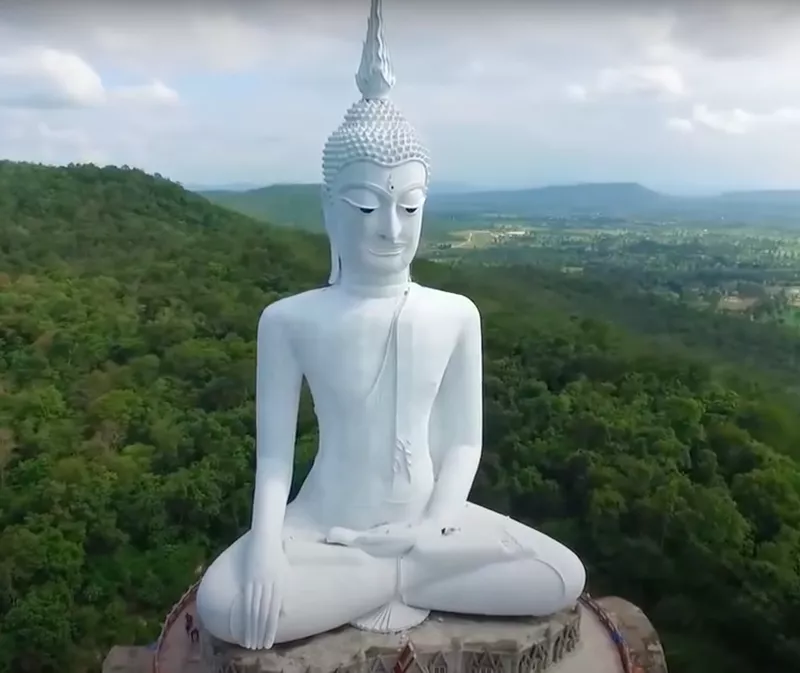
pixel 373 128
pixel 375 77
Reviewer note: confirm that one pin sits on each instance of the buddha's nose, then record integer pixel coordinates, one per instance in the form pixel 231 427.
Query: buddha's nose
pixel 390 231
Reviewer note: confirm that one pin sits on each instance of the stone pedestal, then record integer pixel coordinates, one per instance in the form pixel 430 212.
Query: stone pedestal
pixel 641 638
pixel 443 644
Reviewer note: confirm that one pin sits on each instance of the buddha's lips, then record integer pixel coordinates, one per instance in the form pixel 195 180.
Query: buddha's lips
pixel 387 252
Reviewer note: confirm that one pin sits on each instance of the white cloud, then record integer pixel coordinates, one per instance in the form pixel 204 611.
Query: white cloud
pixel 155 92
pixel 646 80
pixel 47 78
pixel 661 82
pixel 735 121
pixel 493 87
pixel 43 78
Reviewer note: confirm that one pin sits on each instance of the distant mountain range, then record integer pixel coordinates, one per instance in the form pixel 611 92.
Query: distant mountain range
pixel 628 200
pixel 601 198
pixel 230 187
pixel 299 204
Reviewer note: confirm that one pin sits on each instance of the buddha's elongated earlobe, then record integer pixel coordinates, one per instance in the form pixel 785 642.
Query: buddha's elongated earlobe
pixel 336 266
pixel 330 226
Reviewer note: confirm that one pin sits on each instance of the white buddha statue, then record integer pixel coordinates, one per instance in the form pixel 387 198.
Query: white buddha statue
pixel 381 531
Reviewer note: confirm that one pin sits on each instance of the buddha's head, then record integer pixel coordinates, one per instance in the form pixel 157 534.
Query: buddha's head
pixel 375 175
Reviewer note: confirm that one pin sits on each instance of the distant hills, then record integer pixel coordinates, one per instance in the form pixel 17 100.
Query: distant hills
pixel 600 198
pixel 229 187
pixel 628 200
pixel 450 204
pixel 774 196
pixel 294 205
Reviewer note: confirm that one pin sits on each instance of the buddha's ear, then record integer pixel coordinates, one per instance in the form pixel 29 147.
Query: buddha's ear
pixel 336 263
pixel 328 216
pixel 326 206
pixel 329 221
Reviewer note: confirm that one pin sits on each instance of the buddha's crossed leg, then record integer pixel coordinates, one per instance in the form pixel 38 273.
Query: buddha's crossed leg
pixel 491 565
pixel 326 586
pixel 540 577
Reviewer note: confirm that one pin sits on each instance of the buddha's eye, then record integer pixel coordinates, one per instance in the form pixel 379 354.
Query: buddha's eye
pixel 411 211
pixel 361 199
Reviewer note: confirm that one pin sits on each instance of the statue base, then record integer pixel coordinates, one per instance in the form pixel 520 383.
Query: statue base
pixel 606 635
pixel 444 643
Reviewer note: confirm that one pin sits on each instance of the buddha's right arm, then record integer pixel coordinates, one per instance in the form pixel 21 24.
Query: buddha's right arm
pixel 278 382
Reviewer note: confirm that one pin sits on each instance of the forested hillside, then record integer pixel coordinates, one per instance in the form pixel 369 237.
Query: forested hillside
pixel 128 309
pixel 295 205
pixel 768 352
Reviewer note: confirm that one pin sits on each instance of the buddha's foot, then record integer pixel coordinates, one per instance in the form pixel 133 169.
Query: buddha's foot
pixel 390 618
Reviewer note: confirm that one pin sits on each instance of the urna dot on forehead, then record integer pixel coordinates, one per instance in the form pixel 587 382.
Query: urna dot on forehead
pixel 373 128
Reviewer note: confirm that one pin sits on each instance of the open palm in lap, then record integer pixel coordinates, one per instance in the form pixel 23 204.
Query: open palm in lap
pixel 389 540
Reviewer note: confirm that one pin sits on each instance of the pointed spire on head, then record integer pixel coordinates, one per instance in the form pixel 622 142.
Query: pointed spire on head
pixel 375 77
pixel 373 128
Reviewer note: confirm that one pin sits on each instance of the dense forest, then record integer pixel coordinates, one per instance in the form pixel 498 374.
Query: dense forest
pixel 751 271
pixel 128 309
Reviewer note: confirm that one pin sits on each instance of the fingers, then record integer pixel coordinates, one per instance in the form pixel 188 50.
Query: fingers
pixel 339 535
pixel 401 540
pixel 247 616
pixel 260 613
pixel 262 626
pixel 274 616
pixel 256 598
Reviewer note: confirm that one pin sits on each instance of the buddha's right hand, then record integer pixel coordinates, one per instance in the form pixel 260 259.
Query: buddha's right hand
pixel 265 571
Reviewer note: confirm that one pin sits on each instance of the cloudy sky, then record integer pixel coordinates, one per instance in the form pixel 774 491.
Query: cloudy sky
pixel 680 96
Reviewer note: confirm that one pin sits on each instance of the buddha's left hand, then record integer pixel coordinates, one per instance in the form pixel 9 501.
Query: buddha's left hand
pixel 391 540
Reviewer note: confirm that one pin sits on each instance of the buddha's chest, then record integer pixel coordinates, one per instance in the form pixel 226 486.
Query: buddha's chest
pixel 377 349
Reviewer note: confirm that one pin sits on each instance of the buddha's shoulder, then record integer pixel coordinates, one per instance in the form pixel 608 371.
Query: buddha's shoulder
pixel 296 307
pixel 449 304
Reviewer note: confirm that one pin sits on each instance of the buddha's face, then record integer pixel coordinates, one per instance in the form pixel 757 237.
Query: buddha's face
pixel 374 214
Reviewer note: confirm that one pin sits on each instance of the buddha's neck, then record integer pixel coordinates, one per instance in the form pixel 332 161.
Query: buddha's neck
pixel 393 285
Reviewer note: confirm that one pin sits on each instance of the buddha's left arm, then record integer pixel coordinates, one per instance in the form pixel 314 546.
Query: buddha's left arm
pixel 458 417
